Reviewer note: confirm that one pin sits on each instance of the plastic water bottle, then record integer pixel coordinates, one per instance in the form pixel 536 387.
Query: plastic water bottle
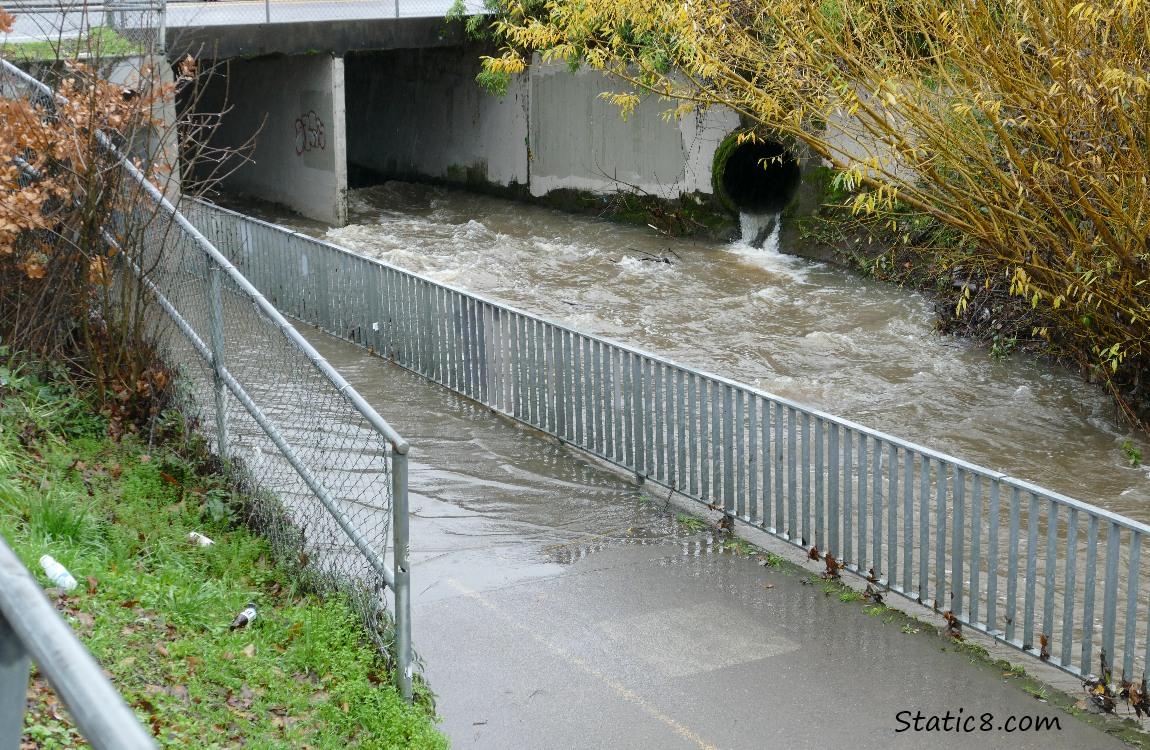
pixel 196 537
pixel 57 572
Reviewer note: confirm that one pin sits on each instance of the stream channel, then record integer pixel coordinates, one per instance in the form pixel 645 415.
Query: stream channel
pixel 807 331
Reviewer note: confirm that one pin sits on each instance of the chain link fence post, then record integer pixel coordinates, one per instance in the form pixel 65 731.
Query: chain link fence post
pixel 402 574
pixel 216 317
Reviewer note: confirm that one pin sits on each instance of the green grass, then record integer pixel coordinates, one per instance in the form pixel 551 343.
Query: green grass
pixel 693 523
pixel 101 42
pixel 155 610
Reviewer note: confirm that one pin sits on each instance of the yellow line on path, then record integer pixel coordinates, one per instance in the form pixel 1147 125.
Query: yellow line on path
pixel 620 689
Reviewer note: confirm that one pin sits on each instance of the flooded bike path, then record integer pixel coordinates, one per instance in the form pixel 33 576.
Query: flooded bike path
pixel 557 604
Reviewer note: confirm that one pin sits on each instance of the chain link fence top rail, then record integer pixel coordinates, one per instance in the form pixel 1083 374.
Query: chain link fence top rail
pixel 325 472
pixel 1060 579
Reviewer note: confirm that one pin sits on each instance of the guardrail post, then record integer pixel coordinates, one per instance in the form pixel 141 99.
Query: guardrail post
pixel 14 667
pixel 402 574
pixel 216 318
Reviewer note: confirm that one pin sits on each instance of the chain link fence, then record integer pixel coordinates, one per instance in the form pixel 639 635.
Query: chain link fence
pixel 324 474
pixel 84 29
pixel 115 27
pixel 184 13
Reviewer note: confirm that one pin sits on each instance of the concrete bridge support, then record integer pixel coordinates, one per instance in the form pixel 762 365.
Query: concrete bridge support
pixel 294 107
pixel 418 114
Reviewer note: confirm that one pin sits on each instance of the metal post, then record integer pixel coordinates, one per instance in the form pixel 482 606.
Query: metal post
pixel 216 318
pixel 14 665
pixel 268 11
pixel 31 623
pixel 162 31
pixel 402 574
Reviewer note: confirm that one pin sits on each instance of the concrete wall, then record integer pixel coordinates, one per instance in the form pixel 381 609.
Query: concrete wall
pixel 418 114
pixel 580 140
pixel 300 156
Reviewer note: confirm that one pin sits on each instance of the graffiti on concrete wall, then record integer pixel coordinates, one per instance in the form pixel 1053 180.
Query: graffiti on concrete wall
pixel 309 133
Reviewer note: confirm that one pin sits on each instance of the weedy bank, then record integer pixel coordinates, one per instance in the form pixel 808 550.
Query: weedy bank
pixel 155 609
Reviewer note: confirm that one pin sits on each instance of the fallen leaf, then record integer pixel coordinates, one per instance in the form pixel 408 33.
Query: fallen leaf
pixel 92 584
pixel 129 661
pixel 163 651
pixel 833 567
pixel 168 478
pixel 145 458
pixel 768 585
pixel 814 553
pixel 250 650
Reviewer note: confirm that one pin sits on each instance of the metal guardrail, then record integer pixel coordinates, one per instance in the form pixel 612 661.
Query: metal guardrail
pixel 304 433
pixel 31 627
pixel 1006 557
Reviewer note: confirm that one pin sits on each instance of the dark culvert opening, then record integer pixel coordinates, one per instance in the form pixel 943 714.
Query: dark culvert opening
pixel 760 177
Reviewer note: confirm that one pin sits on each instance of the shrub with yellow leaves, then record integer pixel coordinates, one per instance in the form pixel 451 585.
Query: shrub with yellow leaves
pixel 1018 128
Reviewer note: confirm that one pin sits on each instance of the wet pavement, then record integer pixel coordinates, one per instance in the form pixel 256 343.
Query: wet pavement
pixel 558 605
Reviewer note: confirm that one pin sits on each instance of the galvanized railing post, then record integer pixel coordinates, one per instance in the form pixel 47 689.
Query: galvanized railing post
pixel 216 319
pixel 402 574
pixel 14 666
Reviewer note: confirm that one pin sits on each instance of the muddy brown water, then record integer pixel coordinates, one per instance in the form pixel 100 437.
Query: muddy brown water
pixel 803 330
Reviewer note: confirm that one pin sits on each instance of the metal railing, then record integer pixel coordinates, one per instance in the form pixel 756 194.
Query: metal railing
pixel 31 628
pixel 335 470
pixel 145 22
pixel 221 13
pixel 1010 559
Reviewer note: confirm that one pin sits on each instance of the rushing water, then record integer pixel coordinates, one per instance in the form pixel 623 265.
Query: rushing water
pixel 803 330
